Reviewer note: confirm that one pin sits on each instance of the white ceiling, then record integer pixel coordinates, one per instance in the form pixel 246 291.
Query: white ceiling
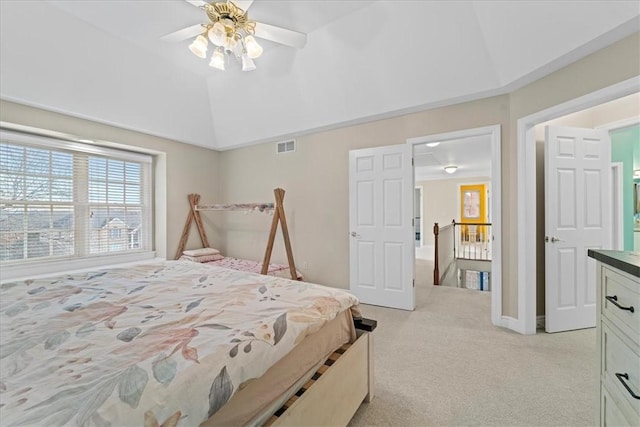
pixel 103 60
pixel 471 155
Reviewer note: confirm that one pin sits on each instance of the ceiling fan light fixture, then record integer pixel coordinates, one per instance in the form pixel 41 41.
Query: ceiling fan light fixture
pixel 199 47
pixel 217 59
pixel 247 63
pixel 254 50
pixel 450 169
pixel 232 34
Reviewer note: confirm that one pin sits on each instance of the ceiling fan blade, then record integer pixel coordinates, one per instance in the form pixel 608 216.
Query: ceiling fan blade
pixel 183 34
pixel 197 3
pixel 243 4
pixel 281 35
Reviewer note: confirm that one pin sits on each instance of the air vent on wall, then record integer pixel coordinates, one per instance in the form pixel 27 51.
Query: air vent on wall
pixel 286 146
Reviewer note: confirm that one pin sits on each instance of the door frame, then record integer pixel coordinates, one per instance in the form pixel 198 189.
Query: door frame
pixel 494 132
pixel 526 185
pixel 617 222
pixel 617 172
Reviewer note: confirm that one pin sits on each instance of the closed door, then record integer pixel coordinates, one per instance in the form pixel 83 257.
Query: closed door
pixel 382 249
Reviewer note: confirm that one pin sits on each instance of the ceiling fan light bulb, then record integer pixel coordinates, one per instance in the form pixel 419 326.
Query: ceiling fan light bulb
pixel 217 59
pixel 199 47
pixel 217 34
pixel 247 63
pixel 254 50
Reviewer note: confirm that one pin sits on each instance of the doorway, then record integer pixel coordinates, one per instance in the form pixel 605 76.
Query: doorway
pixel 526 204
pixel 494 133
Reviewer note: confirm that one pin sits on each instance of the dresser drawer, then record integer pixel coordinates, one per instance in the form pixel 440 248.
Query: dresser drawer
pixel 619 295
pixel 620 366
pixel 611 415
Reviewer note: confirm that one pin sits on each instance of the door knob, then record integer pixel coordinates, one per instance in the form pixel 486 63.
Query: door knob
pixel 354 234
pixel 552 239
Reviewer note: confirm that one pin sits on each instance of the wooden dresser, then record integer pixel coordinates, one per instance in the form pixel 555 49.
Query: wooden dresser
pixel 618 335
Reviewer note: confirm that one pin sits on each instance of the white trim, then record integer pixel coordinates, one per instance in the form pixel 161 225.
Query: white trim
pixel 617 202
pixel 507 322
pixel 620 124
pixel 52 142
pixel 494 132
pixel 617 172
pixel 526 184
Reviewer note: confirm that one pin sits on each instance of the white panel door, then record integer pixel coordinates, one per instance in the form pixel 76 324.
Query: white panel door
pixel 381 231
pixel 577 218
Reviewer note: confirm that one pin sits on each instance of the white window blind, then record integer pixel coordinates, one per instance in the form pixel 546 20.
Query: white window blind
pixel 67 200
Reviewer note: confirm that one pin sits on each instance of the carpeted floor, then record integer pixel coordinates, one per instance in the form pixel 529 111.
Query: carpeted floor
pixel 445 364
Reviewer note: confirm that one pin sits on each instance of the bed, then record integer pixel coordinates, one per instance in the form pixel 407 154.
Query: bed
pixel 177 343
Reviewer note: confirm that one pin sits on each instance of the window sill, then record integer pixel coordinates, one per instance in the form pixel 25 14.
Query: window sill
pixel 35 269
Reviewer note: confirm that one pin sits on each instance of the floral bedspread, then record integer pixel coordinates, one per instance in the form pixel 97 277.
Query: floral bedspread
pixel 161 343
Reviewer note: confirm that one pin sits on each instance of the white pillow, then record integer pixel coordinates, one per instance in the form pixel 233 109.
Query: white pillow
pixel 201 252
pixel 202 258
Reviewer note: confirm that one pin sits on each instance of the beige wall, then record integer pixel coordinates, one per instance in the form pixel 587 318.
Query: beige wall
pixel 440 202
pixel 189 169
pixel 316 176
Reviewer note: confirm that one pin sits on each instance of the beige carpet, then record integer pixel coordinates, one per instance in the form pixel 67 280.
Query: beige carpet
pixel 445 364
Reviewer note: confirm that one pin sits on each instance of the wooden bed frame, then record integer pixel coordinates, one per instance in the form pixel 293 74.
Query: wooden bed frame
pixel 336 391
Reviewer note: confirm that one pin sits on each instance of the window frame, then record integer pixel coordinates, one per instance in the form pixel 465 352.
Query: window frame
pixel 39 266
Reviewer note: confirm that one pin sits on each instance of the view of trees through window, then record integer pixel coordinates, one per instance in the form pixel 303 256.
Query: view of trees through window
pixel 55 203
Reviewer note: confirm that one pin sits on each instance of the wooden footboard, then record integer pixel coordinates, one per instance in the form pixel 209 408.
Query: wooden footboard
pixel 336 391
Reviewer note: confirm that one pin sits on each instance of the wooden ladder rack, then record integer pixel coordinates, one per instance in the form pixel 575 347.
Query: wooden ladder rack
pixel 278 217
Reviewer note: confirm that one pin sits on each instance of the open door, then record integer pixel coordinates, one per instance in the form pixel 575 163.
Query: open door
pixel 577 218
pixel 382 236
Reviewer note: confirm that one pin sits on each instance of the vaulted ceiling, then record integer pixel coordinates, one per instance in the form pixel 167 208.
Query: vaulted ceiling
pixel 104 61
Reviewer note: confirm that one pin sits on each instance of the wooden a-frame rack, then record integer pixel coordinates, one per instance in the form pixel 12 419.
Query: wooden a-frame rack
pixel 278 217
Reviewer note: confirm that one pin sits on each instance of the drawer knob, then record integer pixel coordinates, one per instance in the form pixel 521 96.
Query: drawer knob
pixel 622 378
pixel 614 300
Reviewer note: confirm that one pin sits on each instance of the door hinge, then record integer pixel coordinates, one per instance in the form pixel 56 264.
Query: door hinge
pixel 413 222
pixel 412 161
pixel 414 283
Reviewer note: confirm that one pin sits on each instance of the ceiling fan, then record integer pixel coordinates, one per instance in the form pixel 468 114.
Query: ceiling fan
pixel 232 32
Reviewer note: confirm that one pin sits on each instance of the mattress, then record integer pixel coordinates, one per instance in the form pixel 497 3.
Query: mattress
pixel 153 343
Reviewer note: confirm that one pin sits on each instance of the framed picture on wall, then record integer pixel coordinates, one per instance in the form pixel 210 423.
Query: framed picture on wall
pixel 471 204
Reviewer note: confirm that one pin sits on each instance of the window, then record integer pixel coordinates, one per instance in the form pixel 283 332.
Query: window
pixel 65 200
